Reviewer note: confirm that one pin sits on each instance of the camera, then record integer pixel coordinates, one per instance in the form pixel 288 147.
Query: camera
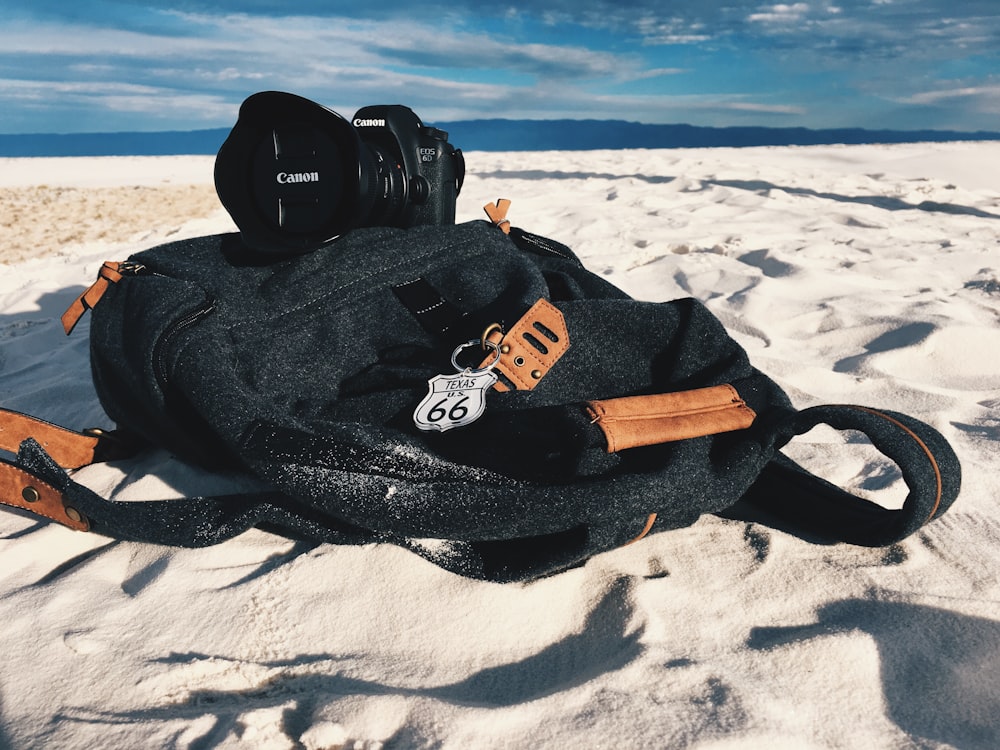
pixel 295 175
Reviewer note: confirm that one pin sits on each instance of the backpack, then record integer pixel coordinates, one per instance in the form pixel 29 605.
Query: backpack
pixel 470 392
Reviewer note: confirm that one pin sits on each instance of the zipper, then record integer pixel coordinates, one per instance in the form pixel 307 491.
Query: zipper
pixel 171 332
pixel 132 268
pixel 159 353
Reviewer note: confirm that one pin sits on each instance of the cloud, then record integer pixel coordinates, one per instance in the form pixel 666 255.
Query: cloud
pixel 981 98
pixel 193 62
pixel 349 61
pixel 780 14
pixel 115 96
pixel 872 30
pixel 671 31
pixel 429 45
pixel 776 109
pixel 300 41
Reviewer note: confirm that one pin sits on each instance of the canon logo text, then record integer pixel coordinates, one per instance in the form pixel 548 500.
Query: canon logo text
pixel 285 178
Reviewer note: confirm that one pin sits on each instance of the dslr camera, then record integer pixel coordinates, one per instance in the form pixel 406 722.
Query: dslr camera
pixel 295 175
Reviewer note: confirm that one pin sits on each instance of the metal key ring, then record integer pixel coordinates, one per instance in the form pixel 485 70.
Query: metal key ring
pixel 475 342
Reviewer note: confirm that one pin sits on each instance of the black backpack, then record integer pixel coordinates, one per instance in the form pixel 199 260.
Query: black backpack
pixel 473 394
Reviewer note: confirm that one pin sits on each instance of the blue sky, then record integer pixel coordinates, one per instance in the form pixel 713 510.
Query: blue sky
pixel 116 65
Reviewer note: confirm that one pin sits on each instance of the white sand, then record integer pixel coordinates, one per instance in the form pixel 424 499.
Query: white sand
pixel 851 274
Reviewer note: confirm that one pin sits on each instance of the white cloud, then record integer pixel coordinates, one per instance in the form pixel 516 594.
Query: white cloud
pixel 196 66
pixel 656 30
pixel 777 109
pixel 985 98
pixel 780 14
pixel 445 72
pixel 430 45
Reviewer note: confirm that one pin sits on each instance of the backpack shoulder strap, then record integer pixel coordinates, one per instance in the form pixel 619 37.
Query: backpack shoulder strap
pixel 785 495
pixel 790 497
pixel 37 481
pixel 21 488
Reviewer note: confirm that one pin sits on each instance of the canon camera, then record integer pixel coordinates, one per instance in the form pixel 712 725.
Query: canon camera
pixel 295 175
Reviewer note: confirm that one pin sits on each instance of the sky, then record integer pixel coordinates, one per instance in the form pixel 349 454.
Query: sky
pixel 126 65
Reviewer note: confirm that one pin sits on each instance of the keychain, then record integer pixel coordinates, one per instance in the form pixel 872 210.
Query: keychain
pixel 459 399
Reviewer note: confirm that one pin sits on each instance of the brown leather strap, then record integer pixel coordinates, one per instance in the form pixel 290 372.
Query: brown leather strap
pixel 634 421
pixel 530 349
pixel 20 489
pixel 935 467
pixel 105 277
pixel 650 520
pixel 71 450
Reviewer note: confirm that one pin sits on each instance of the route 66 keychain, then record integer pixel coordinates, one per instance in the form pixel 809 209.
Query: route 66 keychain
pixel 459 399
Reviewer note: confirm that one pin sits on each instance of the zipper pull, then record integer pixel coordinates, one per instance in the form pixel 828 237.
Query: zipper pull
pixel 128 267
pixel 111 273
pixel 498 214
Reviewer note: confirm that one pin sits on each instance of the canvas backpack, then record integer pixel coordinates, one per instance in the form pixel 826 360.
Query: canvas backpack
pixel 470 392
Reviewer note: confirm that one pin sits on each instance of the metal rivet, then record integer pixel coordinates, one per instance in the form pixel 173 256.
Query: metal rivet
pixel 74 514
pixel 536 374
pixel 505 349
pixel 519 361
pixel 30 495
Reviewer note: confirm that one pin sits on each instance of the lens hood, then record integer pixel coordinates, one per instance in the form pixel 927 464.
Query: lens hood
pixel 289 172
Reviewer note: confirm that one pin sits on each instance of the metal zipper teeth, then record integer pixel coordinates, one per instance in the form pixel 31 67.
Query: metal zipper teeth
pixel 175 328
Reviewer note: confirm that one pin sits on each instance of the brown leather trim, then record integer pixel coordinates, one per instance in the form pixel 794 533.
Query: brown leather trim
pixel 91 296
pixel 530 349
pixel 69 449
pixel 645 530
pixel 923 447
pixel 20 489
pixel 498 214
pixel 635 421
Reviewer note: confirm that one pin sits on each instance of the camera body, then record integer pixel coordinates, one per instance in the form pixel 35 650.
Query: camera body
pixel 295 175
pixel 433 169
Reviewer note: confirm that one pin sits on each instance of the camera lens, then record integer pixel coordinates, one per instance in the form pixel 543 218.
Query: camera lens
pixel 304 182
pixel 298 178
pixel 295 175
pixel 387 185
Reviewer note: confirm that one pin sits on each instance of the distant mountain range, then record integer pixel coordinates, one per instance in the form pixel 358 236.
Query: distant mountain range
pixel 495 135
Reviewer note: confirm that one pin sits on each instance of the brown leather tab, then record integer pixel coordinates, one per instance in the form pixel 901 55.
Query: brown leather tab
pixel 634 421
pixel 650 520
pixel 69 449
pixel 106 276
pixel 530 349
pixel 20 489
pixel 498 214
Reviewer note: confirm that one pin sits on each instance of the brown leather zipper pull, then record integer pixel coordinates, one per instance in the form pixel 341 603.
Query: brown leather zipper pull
pixel 498 214
pixel 109 274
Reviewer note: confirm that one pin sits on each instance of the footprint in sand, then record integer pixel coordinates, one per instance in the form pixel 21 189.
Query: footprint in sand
pixel 955 357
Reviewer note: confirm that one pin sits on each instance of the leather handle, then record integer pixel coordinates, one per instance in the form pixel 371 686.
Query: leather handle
pixel 635 421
